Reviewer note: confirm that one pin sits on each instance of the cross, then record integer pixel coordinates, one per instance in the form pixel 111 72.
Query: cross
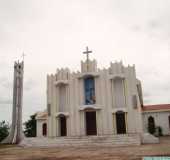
pixel 87 54
pixel 23 55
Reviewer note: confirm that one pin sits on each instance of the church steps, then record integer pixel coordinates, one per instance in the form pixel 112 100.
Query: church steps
pixel 114 140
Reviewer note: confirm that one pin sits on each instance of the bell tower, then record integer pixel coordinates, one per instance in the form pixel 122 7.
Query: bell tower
pixel 16 134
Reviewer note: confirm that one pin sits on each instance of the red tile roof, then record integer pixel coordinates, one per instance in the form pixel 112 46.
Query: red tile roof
pixel 42 115
pixel 156 107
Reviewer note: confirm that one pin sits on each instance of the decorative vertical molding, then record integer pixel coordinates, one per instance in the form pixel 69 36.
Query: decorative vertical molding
pixel 107 102
pixel 54 125
pixel 71 107
pixel 96 89
pixel 114 123
pixel 68 126
pixel 126 122
pixel 52 104
pixel 68 122
pixel 78 114
pixel 112 93
pixel 125 91
pixel 81 91
pixel 57 126
pixel 48 102
pixel 82 123
pixel 98 123
pixel 104 111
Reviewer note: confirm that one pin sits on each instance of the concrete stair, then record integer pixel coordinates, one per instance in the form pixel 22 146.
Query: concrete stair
pixel 106 140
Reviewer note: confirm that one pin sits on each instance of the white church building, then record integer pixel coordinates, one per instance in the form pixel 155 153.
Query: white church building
pixel 92 101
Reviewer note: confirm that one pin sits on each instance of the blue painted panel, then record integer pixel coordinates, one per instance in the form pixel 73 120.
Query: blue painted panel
pixel 89 87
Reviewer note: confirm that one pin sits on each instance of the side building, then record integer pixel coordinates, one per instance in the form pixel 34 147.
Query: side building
pixel 158 115
pixel 41 124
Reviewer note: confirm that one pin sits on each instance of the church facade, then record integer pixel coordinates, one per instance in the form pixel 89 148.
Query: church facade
pixel 94 101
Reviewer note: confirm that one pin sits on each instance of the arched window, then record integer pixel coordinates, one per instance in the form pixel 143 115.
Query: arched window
pixel 151 119
pixel 44 129
pixel 151 125
pixel 89 87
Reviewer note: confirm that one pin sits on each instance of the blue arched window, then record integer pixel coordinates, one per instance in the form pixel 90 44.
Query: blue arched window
pixel 89 87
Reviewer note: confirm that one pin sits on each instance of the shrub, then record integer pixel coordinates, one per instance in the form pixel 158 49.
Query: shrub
pixel 30 127
pixel 4 130
pixel 159 131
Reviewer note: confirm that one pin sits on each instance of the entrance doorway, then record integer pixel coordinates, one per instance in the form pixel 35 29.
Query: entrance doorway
pixel 91 127
pixel 120 122
pixel 63 125
pixel 44 129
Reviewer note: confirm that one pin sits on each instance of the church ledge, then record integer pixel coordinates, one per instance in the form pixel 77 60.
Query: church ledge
pixel 117 76
pixel 119 109
pixel 90 107
pixel 61 82
pixel 87 74
pixel 58 114
pixel 41 118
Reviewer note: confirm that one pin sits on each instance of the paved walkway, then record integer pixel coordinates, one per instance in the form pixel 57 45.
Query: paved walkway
pixel 84 153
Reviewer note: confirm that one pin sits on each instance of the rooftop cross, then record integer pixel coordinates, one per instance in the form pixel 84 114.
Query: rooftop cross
pixel 87 54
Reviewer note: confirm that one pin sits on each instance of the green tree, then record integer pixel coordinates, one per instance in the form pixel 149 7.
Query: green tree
pixel 30 127
pixel 4 130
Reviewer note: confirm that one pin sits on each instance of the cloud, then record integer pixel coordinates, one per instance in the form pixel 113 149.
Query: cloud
pixel 5 101
pixel 146 95
pixel 7 84
pixel 29 84
pixel 147 101
pixel 54 33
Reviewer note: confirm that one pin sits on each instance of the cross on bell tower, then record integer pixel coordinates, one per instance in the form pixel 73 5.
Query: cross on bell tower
pixel 87 55
pixel 23 56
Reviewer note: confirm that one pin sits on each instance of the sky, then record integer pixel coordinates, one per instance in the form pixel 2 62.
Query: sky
pixel 54 33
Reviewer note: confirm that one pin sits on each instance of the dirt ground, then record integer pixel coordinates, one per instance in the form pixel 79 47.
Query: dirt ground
pixel 13 152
